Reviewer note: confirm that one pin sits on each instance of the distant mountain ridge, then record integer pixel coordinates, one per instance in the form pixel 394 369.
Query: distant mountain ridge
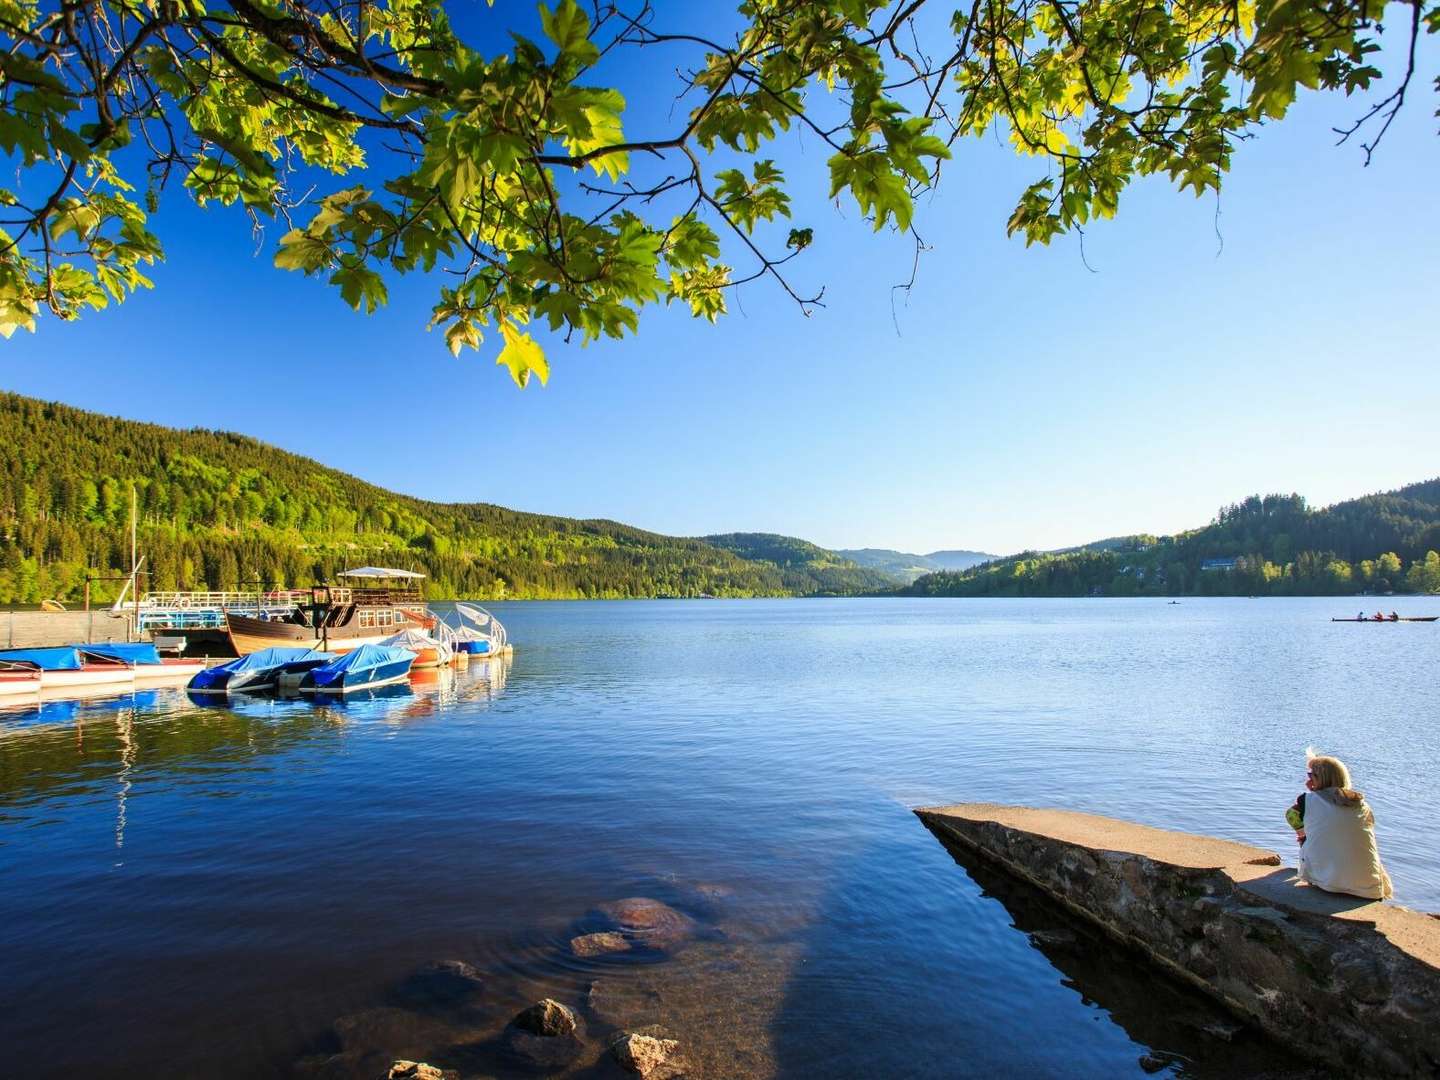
pixel 908 567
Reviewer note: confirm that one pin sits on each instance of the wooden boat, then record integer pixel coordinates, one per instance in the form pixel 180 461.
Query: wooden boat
pixel 362 616
pixel 363 668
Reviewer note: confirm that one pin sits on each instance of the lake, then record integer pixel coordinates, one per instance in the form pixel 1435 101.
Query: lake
pixel 244 890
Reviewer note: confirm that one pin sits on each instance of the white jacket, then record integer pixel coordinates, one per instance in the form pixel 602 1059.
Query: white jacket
pixel 1339 854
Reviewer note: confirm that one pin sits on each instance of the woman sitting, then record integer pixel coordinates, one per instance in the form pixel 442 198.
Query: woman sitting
pixel 1336 831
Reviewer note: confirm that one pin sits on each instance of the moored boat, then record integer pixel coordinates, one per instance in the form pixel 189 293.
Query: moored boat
pixel 476 632
pixel 71 666
pixel 149 665
pixel 359 669
pixel 254 672
pixel 430 652
pixel 339 620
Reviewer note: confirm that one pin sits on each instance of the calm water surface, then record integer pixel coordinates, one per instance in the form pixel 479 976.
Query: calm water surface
pixel 204 891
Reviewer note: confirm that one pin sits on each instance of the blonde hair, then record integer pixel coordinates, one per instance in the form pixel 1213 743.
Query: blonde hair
pixel 1330 772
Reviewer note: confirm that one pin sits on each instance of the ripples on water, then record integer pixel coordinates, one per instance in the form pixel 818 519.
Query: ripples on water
pixel 203 890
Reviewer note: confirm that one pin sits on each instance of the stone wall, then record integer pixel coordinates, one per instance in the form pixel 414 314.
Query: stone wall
pixel 1348 982
pixel 40 629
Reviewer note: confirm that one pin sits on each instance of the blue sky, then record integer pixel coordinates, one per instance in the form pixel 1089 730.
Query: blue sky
pixel 1026 400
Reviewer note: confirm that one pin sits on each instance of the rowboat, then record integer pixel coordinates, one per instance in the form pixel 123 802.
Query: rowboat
pixel 254 672
pixel 149 665
pixel 359 669
pixel 1402 618
pixel 71 666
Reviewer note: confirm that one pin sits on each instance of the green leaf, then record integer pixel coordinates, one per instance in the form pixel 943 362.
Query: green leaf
pixel 522 355
pixel 569 28
pixel 360 285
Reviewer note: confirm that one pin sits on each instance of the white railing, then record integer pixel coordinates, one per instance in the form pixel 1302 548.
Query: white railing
pixel 189 601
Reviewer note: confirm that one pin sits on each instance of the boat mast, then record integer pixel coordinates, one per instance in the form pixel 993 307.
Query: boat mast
pixel 134 564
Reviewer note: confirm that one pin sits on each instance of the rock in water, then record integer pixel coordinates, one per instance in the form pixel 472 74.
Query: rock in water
pixel 645 1055
pixel 418 1070
pixel 599 944
pixel 544 1036
pixel 547 1018
pixel 444 982
pixel 649 922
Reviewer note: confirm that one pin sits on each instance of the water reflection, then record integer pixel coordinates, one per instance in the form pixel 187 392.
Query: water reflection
pixel 57 748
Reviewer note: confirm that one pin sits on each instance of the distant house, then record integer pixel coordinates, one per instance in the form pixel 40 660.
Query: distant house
pixel 1218 564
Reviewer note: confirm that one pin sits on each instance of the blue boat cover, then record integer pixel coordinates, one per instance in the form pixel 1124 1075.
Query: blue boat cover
pixel 267 658
pixel 137 652
pixel 279 656
pixel 366 656
pixel 66 658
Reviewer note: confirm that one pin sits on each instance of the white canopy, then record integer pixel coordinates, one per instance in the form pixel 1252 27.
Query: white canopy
pixel 470 622
pixel 379 572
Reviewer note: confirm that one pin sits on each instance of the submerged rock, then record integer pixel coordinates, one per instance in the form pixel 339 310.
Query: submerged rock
pixel 418 1070
pixel 622 1003
pixel 442 983
pixel 645 1055
pixel 1054 939
pixel 649 922
pixel 599 944
pixel 395 1033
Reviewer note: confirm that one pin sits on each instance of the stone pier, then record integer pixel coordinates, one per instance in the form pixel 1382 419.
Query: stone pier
pixel 1351 983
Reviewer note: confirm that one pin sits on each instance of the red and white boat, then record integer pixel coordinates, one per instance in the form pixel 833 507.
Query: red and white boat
pixel 146 662
pixel 70 666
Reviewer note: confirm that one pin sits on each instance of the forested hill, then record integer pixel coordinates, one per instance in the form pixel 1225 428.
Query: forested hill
pixel 1275 544
pixel 217 510
pixel 804 563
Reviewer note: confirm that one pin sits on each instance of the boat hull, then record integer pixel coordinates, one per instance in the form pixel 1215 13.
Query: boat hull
pixel 359 678
pixel 168 669
pixel 17 685
pixel 249 635
pixel 89 675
